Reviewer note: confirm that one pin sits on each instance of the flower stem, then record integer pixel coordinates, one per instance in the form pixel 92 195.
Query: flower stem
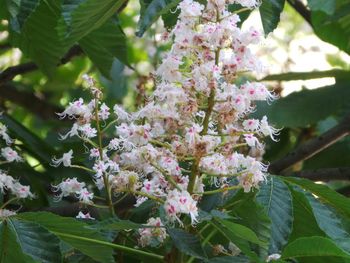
pixel 126 249
pixel 100 150
pixel 8 202
pixel 220 190
pixel 82 168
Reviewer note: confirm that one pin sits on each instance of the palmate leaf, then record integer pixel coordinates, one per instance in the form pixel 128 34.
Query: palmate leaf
pixel 333 73
pixel 327 6
pixel 276 198
pixel 313 247
pixel 329 222
pixel 229 259
pixel 106 45
pixel 117 224
pixel 304 221
pixel 254 216
pixel 32 143
pixel 38 37
pixel 240 242
pixel 151 11
pixel 30 241
pixel 332 28
pixel 300 109
pixel 187 243
pixel 270 11
pixel 80 17
pixel 19 11
pixel 240 231
pixel 69 230
pixel 324 193
pixel 45 30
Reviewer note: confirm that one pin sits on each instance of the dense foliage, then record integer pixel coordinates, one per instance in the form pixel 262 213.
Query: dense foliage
pixel 178 171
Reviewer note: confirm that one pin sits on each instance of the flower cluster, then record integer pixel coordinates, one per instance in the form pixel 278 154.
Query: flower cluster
pixel 193 136
pixel 154 234
pixel 7 182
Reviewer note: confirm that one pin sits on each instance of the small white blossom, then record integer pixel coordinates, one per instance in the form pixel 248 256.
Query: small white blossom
pixel 81 215
pixel 273 257
pixel 66 159
pixel 10 155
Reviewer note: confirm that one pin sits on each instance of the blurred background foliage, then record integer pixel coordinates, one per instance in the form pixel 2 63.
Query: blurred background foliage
pixel 46 47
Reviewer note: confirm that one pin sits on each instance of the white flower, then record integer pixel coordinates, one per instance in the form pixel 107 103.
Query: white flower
pixel 10 155
pixel 73 132
pixel 4 135
pixel 68 187
pixel 268 130
pixel 251 124
pixel 252 141
pixel 81 215
pixel 273 257
pixel 21 191
pixel 180 203
pixel 66 159
pixel 122 115
pixel 248 3
pixel 154 235
pixel 85 196
pixel 6 182
pixel 6 213
pixel 87 131
pixel 104 112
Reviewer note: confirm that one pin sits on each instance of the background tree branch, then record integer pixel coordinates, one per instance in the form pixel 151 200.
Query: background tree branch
pixel 326 174
pixel 301 9
pixel 28 100
pixel 312 147
pixel 11 72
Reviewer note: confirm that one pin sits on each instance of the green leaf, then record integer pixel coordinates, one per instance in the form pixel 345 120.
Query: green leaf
pixel 301 109
pixel 270 11
pixel 240 231
pixel 242 244
pixel 327 6
pixel 19 11
pixel 151 11
pixel 117 224
pixel 170 19
pixel 335 28
pixel 10 250
pixel 186 243
pixel 39 38
pixel 276 198
pixel 228 259
pixel 106 45
pixel 324 193
pixel 67 229
pixel 254 216
pixel 82 17
pixel 311 247
pixel 32 143
pixel 335 73
pixel 3 11
pixel 329 222
pixel 304 223
pixel 34 240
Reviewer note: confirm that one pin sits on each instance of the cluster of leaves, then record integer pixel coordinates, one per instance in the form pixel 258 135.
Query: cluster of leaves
pixel 301 220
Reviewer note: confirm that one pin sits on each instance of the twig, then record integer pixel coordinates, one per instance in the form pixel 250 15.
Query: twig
pixel 5 46
pixel 344 190
pixel 301 9
pixel 28 100
pixel 326 174
pixel 312 147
